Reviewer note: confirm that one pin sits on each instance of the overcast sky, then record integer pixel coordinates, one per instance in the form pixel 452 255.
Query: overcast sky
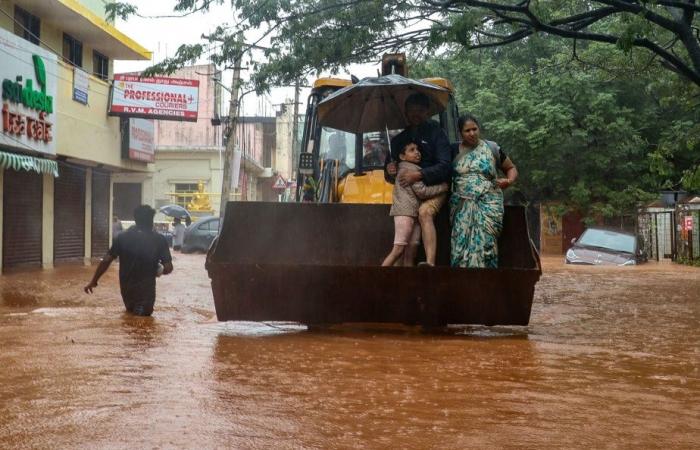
pixel 163 36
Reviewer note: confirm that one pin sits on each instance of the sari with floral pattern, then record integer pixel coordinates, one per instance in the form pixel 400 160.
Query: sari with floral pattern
pixel 476 208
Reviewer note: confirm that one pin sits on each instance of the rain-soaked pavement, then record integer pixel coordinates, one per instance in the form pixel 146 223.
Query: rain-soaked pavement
pixel 610 360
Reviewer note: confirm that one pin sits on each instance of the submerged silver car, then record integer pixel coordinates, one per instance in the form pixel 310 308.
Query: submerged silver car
pixel 599 246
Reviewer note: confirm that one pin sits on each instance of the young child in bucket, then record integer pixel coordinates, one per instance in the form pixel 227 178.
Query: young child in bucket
pixel 405 205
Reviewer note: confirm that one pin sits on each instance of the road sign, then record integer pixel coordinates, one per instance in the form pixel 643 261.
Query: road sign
pixel 688 223
pixel 279 183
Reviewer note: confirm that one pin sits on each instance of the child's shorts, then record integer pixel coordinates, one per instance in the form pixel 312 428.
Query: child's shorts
pixel 406 229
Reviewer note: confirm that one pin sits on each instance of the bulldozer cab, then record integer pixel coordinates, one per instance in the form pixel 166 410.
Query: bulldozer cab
pixel 349 167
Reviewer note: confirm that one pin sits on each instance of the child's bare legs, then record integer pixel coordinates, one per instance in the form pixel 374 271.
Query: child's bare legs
pixel 403 230
pixel 397 252
pixel 409 255
pixel 426 216
pixel 427 226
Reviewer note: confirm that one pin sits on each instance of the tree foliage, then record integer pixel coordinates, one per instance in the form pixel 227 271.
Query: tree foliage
pixel 599 144
pixel 314 35
pixel 598 101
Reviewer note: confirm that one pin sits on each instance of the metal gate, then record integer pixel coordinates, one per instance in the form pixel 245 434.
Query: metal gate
pixel 657 230
pixel 69 213
pixel 100 213
pixel 22 218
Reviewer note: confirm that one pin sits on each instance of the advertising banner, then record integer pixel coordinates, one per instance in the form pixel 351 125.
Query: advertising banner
pixel 688 223
pixel 28 77
pixel 142 140
pixel 81 85
pixel 154 98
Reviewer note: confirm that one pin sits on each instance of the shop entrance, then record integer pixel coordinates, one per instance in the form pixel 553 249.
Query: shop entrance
pixel 22 219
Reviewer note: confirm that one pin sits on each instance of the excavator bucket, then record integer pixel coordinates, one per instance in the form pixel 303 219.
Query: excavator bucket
pixel 319 264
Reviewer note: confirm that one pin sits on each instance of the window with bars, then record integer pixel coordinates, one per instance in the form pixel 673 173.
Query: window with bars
pixel 100 66
pixel 181 191
pixel 27 25
pixel 72 50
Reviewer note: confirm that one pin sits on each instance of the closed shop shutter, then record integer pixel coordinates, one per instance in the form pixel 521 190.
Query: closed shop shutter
pixel 69 213
pixel 22 212
pixel 100 213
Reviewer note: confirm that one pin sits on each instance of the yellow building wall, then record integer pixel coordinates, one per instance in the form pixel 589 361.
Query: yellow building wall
pixel 8 9
pixel 83 132
pixel 51 37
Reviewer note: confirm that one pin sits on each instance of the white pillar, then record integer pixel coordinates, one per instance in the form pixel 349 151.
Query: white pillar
pixel 88 216
pixel 47 223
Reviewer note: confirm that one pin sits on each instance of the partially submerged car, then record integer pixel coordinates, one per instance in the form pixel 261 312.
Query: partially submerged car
pixel 200 234
pixel 599 246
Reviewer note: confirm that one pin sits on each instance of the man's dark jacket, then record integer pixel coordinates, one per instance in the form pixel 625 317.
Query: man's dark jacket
pixel 436 155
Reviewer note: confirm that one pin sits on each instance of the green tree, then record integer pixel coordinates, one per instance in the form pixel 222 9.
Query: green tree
pixel 309 35
pixel 577 136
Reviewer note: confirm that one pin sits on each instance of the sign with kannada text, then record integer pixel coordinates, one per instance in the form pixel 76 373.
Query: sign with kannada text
pixel 154 98
pixel 29 87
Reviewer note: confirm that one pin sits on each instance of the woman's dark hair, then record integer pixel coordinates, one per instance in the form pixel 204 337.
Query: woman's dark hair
pixel 402 150
pixel 467 118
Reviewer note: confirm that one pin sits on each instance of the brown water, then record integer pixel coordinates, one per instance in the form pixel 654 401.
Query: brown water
pixel 610 360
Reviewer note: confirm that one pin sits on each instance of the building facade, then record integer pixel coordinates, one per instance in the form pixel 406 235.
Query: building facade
pixel 191 153
pixel 60 153
pixel 189 156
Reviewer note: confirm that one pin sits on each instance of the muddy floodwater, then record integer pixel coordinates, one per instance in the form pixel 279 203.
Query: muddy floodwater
pixel 611 359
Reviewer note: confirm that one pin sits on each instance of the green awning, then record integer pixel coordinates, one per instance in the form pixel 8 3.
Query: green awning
pixel 29 163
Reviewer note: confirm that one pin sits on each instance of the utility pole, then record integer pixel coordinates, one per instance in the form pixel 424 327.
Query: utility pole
pixel 295 130
pixel 230 137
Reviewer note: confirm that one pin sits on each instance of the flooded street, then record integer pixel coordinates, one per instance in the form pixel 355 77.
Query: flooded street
pixel 611 359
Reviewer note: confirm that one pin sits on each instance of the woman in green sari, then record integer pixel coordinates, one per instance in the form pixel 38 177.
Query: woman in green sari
pixel 476 204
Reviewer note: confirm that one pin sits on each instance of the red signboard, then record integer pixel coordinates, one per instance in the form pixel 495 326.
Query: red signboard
pixel 688 223
pixel 142 140
pixel 154 98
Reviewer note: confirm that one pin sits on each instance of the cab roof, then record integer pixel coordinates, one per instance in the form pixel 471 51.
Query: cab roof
pixel 341 83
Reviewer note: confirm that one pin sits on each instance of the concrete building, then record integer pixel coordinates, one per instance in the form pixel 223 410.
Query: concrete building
pixel 60 153
pixel 188 153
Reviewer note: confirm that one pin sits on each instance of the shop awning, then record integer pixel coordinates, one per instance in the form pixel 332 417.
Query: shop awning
pixel 29 163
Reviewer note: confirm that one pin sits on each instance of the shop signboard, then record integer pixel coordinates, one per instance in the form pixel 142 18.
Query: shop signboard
pixel 81 84
pixel 29 87
pixel 154 98
pixel 140 141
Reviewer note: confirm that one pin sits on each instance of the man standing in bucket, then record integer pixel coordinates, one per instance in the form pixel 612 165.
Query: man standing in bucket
pixel 143 255
pixel 436 167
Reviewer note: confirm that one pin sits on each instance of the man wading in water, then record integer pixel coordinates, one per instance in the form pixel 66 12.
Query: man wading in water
pixel 143 255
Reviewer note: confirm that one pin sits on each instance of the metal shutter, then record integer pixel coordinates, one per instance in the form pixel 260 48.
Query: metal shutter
pixel 100 213
pixel 69 213
pixel 21 231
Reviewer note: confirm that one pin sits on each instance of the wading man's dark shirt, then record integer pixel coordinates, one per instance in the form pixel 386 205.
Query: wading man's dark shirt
pixel 139 252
